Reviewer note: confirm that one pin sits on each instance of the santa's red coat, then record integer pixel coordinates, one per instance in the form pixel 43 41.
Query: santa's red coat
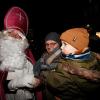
pixel 3 75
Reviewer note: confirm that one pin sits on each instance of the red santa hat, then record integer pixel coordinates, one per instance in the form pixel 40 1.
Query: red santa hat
pixel 16 18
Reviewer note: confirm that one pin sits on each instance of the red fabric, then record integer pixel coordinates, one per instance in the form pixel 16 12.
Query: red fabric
pixel 3 75
pixel 30 56
pixel 32 59
pixel 39 95
pixel 16 18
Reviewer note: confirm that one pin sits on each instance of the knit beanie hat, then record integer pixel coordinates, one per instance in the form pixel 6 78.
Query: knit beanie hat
pixel 76 37
pixel 53 36
pixel 16 18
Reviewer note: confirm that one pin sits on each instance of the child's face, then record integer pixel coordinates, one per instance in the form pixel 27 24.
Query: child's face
pixel 67 48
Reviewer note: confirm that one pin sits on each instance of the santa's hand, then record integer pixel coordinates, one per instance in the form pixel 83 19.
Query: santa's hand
pixel 24 81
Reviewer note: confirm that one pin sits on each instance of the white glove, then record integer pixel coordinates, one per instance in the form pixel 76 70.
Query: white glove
pixel 27 80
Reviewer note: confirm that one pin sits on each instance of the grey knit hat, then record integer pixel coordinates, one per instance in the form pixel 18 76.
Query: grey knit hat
pixel 53 36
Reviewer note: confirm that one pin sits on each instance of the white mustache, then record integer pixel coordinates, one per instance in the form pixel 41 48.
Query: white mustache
pixel 12 54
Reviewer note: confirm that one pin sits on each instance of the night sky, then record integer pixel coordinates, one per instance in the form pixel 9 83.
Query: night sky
pixel 50 15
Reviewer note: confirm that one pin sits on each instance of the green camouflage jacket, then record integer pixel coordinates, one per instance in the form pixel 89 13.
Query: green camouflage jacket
pixel 74 79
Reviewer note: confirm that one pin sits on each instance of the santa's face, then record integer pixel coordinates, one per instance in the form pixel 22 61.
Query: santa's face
pixel 12 50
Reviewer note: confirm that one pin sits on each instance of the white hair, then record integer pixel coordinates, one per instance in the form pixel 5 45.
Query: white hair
pixel 12 50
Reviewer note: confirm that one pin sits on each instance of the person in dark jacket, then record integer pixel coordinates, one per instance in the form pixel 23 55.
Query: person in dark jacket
pixel 52 45
pixel 48 60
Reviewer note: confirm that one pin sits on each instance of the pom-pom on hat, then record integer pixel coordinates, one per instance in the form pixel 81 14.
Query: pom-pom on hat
pixel 76 37
pixel 16 18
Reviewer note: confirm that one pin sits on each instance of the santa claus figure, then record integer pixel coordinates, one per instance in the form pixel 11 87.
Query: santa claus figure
pixel 13 59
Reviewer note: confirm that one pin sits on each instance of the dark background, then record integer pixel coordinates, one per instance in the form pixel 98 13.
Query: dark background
pixel 46 16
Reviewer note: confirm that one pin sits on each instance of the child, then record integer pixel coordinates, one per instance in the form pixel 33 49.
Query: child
pixel 77 74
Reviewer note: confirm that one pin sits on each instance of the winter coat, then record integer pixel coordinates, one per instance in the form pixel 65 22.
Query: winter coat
pixel 72 80
pixel 46 62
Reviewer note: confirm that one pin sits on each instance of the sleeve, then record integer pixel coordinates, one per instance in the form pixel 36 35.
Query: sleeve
pixel 37 67
pixel 56 80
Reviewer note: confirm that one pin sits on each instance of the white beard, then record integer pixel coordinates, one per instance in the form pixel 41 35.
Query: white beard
pixel 12 54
